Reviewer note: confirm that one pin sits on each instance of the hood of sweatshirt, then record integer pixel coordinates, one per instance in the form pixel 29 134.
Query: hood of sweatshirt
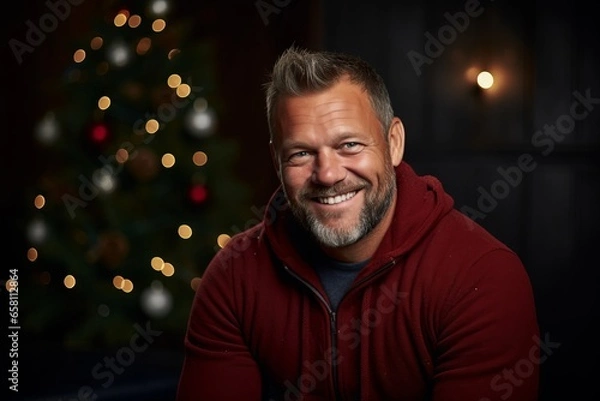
pixel 421 202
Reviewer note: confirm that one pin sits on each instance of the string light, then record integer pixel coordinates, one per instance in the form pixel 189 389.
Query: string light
pixel 152 126
pixel 79 55
pixel 32 254
pixel 168 160
pixel 200 158
pixel 195 283
pixel 222 240
pixel 143 46
pixel 122 155
pixel 183 90
pixel 104 103
pixel 134 21
pixel 121 18
pixel 127 286
pixel 158 25
pixel 69 281
pixel 185 231
pixel 168 269
pixel 96 43
pixel 157 263
pixel 174 80
pixel 118 282
pixel 39 201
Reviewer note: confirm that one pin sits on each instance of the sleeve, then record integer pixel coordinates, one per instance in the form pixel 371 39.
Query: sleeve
pixel 218 364
pixel 488 337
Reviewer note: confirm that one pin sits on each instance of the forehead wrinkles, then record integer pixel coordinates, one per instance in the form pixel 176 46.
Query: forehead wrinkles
pixel 332 114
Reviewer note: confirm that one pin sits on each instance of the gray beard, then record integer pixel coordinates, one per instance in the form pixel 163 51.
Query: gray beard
pixel 371 215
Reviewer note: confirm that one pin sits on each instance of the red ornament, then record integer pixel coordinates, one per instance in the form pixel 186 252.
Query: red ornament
pixel 99 133
pixel 198 194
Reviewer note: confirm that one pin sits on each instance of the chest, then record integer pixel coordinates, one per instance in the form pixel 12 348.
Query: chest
pixel 373 338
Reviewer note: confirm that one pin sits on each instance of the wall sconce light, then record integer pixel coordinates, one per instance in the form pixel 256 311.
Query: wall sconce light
pixel 485 80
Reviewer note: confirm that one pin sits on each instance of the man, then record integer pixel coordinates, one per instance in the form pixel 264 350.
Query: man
pixel 362 282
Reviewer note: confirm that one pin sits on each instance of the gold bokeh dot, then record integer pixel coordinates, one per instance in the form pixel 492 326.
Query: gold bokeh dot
pixel 158 25
pixel 195 283
pixel 69 281
pixel 168 270
pixel 168 160
pixel 118 282
pixel 121 155
pixel 200 158
pixel 120 19
pixel 184 231
pixel 183 90
pixel 127 285
pixel 96 43
pixel 222 240
pixel 32 254
pixel 143 46
pixel 157 263
pixel 39 201
pixel 174 80
pixel 79 55
pixel 152 126
pixel 134 21
pixel 104 103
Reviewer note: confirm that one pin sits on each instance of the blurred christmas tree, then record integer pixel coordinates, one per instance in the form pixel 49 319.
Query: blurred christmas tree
pixel 140 187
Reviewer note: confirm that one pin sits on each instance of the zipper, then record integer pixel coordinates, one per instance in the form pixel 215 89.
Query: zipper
pixel 371 277
pixel 332 316
pixel 332 330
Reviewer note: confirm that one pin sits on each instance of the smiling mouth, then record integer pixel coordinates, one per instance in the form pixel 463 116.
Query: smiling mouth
pixel 334 200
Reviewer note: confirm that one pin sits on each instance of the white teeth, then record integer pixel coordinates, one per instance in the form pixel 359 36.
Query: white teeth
pixel 332 200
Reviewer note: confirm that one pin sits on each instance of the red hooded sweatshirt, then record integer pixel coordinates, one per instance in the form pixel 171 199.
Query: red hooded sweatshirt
pixel 443 311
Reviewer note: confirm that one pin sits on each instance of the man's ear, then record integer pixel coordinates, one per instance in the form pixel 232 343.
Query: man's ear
pixel 396 141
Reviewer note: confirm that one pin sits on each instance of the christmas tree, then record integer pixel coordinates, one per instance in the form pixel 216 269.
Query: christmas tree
pixel 140 190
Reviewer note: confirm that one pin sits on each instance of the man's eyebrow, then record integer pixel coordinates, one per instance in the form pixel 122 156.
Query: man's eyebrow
pixel 341 136
pixel 292 144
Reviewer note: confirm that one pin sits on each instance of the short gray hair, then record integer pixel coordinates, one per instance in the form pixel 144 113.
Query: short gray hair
pixel 300 71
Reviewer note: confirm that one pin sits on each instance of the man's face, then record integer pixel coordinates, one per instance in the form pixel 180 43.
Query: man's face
pixel 335 165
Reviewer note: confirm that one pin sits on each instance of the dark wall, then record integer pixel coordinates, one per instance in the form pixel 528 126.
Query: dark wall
pixel 538 193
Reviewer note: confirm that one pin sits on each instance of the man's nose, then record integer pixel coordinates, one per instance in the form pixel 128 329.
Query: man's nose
pixel 328 168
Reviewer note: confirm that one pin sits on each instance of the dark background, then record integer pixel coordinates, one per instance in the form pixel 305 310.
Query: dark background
pixel 540 53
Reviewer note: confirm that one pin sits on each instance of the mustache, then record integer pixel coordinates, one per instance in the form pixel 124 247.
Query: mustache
pixel 315 191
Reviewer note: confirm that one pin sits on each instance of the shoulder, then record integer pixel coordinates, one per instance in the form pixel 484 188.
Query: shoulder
pixel 457 236
pixel 463 256
pixel 243 253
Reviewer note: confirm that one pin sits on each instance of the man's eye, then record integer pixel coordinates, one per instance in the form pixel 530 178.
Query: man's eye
pixel 352 147
pixel 298 155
